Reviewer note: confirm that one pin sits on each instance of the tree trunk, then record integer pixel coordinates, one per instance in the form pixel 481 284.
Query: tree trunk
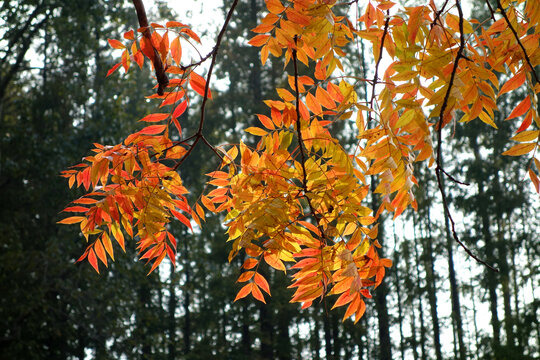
pixel 187 300
pixel 267 332
pixel 420 302
pixel 504 274
pixel 171 329
pixel 491 276
pixel 431 286
pixel 454 292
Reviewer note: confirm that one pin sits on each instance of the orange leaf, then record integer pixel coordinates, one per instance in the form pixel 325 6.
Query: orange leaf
pixel 116 44
pixel 261 281
pixel 152 129
pixel 129 35
pixel 513 83
pixel 360 312
pixel 324 98
pixel 245 276
pixel 244 291
pixel 313 104
pixel 266 121
pixel 274 261
pixel 258 40
pixel 155 117
pixel 71 220
pixel 343 299
pixel 100 251
pixel 176 50
pixel 198 83
pixel 93 260
pixel 257 294
pixel 534 180
pixel 200 211
pixel 297 17
pixel 157 261
pixel 521 108
pixel 108 245
pixel 184 220
pixel 180 109
pixel 191 34
pixel 250 263
pixel 172 24
pixel 274 6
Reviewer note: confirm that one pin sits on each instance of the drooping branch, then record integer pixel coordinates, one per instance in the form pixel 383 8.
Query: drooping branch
pixel 439 169
pixel 161 76
pixel 527 59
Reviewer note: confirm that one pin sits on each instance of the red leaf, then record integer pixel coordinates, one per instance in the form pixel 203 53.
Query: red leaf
pixel 526 122
pixel 76 209
pixel 113 69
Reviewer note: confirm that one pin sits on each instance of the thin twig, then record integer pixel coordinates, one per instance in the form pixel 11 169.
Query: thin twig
pixel 491 11
pixel 161 76
pixel 199 134
pixel 439 169
pixel 376 75
pixel 518 40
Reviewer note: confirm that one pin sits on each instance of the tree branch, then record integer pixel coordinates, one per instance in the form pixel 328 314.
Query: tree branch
pixel 301 143
pixel 376 75
pixel 439 169
pixel 161 76
pixel 499 5
pixel 199 134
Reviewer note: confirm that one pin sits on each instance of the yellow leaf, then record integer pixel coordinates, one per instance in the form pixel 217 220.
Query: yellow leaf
pixel 485 118
pixel 520 149
pixel 525 136
pixel 256 131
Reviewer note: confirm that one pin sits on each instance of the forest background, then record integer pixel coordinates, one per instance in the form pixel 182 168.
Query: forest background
pixel 435 303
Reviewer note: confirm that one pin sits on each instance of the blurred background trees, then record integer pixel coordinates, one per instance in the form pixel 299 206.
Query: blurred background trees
pixel 55 102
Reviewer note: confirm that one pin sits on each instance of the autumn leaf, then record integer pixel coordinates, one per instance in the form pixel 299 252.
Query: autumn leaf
pixel 198 83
